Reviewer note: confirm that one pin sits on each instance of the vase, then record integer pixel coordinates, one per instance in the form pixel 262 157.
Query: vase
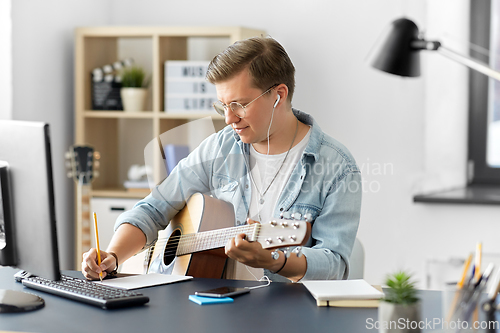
pixel 399 318
pixel 133 99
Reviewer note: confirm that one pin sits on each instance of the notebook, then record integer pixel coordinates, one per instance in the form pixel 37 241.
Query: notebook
pixel 143 280
pixel 342 290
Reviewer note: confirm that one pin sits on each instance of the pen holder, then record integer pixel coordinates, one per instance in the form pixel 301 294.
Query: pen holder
pixel 450 299
pixel 461 306
pixel 491 311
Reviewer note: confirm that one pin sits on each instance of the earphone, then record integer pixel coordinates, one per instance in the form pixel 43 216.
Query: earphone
pixel 277 101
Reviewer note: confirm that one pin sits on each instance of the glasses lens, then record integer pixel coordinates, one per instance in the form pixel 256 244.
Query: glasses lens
pixel 219 108
pixel 238 109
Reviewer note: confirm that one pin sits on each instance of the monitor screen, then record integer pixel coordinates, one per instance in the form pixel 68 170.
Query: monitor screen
pixel 28 197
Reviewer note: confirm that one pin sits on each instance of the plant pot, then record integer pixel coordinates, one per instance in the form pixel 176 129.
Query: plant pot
pixel 399 318
pixel 133 99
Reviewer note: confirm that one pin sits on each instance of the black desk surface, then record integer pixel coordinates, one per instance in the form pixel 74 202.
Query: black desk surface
pixel 281 307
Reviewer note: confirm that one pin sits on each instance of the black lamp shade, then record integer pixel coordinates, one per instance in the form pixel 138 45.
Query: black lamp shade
pixel 394 54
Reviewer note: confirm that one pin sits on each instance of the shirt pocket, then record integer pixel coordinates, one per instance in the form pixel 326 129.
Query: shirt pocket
pixel 303 210
pixel 225 187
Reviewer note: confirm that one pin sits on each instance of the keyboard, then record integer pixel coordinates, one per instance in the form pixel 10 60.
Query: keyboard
pixel 87 292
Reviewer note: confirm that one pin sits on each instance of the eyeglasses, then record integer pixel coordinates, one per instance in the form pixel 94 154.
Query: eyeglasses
pixel 238 109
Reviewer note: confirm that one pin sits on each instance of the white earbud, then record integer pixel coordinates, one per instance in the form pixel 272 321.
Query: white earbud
pixel 277 101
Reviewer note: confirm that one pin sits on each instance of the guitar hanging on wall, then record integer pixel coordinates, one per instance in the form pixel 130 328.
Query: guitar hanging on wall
pixel 82 162
pixel 193 242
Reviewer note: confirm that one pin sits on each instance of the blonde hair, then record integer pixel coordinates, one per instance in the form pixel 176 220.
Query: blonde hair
pixel 265 58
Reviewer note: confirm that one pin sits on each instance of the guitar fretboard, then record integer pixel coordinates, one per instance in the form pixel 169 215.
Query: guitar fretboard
pixel 83 219
pixel 214 239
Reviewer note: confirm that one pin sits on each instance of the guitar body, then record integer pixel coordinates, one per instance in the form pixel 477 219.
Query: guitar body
pixel 201 213
pixel 193 243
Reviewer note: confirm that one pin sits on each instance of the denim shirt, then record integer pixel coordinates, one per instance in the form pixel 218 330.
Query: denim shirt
pixel 325 183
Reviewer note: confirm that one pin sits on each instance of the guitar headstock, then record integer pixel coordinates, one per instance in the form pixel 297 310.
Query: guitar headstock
pixel 285 232
pixel 82 162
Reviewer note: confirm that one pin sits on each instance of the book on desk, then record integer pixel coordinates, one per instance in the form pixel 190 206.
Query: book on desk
pixel 345 293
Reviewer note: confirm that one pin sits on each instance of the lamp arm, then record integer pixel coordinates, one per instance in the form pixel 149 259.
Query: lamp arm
pixel 477 65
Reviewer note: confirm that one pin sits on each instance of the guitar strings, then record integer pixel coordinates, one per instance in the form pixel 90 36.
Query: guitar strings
pixel 187 241
pixel 205 238
pixel 173 246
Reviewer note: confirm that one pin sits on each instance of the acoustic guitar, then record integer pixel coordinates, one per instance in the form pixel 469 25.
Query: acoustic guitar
pixel 193 242
pixel 82 162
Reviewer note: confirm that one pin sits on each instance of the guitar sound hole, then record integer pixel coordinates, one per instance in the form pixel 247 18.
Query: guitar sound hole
pixel 171 247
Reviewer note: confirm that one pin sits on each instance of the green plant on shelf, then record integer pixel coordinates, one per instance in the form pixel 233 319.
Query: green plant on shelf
pixel 134 77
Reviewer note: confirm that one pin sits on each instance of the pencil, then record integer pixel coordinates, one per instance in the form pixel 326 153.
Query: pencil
pixel 460 283
pixel 477 274
pixel 477 277
pixel 97 244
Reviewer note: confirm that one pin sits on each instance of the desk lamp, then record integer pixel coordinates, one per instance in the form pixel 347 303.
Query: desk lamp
pixel 398 52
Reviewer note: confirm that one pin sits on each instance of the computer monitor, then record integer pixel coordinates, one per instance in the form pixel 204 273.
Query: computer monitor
pixel 27 207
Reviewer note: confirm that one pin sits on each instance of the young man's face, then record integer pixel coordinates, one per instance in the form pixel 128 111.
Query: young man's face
pixel 253 127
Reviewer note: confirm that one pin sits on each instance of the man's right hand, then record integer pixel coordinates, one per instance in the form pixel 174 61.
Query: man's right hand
pixel 91 269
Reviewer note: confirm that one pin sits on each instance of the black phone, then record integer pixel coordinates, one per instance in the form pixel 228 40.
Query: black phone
pixel 223 292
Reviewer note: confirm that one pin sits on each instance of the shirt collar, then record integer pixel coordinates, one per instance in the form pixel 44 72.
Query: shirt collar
pixel 315 139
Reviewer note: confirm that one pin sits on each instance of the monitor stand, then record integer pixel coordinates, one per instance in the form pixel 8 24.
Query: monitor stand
pixel 19 301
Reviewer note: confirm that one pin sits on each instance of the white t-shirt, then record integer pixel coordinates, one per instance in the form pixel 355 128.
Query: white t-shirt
pixel 264 173
pixel 263 169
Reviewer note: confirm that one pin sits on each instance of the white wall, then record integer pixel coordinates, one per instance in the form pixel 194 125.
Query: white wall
pixel 393 126
pixel 5 60
pixel 42 38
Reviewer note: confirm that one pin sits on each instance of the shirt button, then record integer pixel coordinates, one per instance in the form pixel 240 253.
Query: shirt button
pixel 238 222
pixel 246 186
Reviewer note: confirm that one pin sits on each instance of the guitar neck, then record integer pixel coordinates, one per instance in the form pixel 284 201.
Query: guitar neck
pixel 83 242
pixel 213 239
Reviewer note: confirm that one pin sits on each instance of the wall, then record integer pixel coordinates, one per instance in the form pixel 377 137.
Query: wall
pixel 42 60
pixel 393 126
pixel 5 60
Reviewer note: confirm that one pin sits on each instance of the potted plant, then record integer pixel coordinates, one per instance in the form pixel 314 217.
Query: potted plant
pixel 134 89
pixel 399 310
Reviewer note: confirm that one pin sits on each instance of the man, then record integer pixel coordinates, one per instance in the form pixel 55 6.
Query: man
pixel 270 160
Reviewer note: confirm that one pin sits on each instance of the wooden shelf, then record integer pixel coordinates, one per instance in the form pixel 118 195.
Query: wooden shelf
pixel 168 115
pixel 118 114
pixel 119 193
pixel 149 115
pixel 121 137
pixel 234 33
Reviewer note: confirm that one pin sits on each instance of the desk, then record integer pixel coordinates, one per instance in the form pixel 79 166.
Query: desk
pixel 281 307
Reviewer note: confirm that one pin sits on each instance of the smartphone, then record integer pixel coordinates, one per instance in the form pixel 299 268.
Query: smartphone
pixel 223 292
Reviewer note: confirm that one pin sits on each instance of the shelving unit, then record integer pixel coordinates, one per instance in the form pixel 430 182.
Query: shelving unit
pixel 119 136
